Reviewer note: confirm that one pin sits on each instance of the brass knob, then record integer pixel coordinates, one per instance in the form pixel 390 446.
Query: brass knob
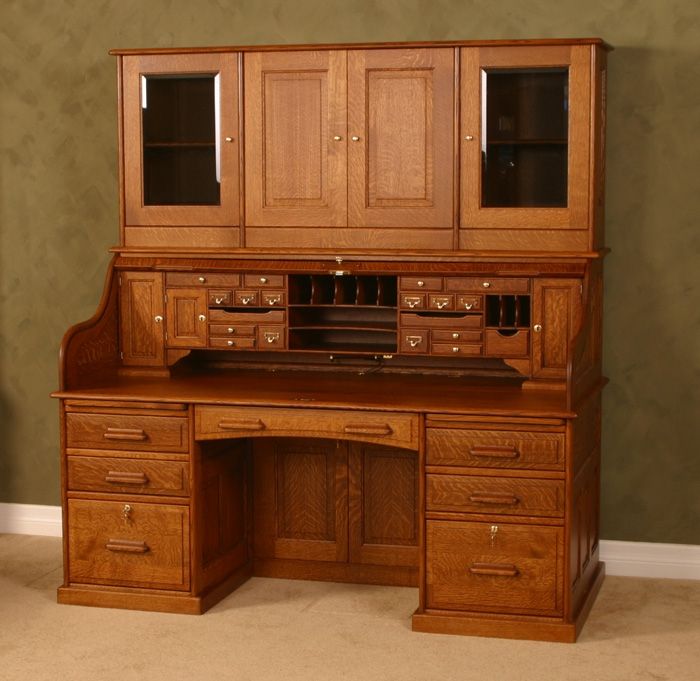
pixel 158 319
pixel 202 318
pixel 230 343
pixel 455 336
pixel 486 284
pixel 263 280
pixel 228 139
pixel 337 138
pixel 201 280
pixel 455 349
pixel 230 330
pixel 469 138
pixel 420 283
pixel 355 138
pixel 537 328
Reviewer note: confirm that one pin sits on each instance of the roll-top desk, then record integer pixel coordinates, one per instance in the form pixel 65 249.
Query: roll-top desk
pixel 351 332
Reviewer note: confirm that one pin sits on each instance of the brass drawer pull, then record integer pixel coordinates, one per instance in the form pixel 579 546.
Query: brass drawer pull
pixel 368 429
pixel 497 499
pixel 495 452
pixel 126 478
pixel 413 341
pixel 127 546
pixel 228 424
pixel 494 569
pixel 132 434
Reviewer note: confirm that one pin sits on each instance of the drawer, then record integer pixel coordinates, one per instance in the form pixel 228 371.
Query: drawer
pixel 469 302
pixel 263 280
pixel 225 281
pixel 271 338
pixel 225 330
pixel 441 302
pixel 487 284
pixel 495 448
pixel 121 431
pixel 455 349
pixel 131 476
pixel 498 345
pixel 412 301
pixel 400 430
pixel 237 343
pixel 420 283
pixel 414 340
pixel 502 568
pixel 233 318
pixel 249 298
pixel 505 496
pixel 220 297
pixel 272 298
pixel 441 321
pixel 452 335
pixel 135 544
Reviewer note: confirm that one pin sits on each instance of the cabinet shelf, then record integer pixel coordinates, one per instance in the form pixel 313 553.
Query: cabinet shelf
pixel 179 145
pixel 520 142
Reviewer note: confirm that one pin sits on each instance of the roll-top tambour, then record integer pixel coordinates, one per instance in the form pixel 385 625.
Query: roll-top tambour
pixel 400 430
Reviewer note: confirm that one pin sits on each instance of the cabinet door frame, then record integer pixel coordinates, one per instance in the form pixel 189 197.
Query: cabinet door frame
pixel 575 216
pixel 141 313
pixel 196 317
pixel 135 212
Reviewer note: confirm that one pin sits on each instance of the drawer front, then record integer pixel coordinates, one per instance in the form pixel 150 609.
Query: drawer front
pixel 420 283
pixel 495 448
pixel 487 284
pixel 469 302
pixel 455 335
pixel 130 476
pixel 441 302
pixel 400 430
pixel 135 544
pixel 271 338
pixel 249 298
pixel 221 298
pixel 206 279
pixel 494 568
pixel 444 321
pixel 263 280
pixel 505 496
pixel 121 431
pixel 272 298
pixel 226 330
pixel 455 349
pixel 414 340
pixel 498 345
pixel 236 343
pixel 233 318
pixel 412 301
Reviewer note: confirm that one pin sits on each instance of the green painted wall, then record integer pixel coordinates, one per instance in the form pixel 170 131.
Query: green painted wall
pixel 58 207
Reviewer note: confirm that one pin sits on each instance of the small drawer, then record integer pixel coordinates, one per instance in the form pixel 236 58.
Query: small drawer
pixel 455 349
pixel 129 476
pixel 448 320
pixel 213 423
pixel 218 297
pixel 499 345
pixel 414 340
pixel 237 343
pixel 226 330
pixel 412 301
pixel 420 283
pixel 263 280
pixel 494 567
pixel 469 302
pixel 246 318
pixel 441 302
pixel 134 544
pixel 246 298
pixel 272 298
pixel 225 281
pixel 271 338
pixel 455 336
pixel 505 496
pixel 495 448
pixel 132 432
pixel 487 284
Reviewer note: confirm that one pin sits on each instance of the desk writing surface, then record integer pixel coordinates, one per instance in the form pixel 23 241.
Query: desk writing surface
pixel 373 391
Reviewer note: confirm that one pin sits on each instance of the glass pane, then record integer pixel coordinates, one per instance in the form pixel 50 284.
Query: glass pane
pixel 180 154
pixel 525 137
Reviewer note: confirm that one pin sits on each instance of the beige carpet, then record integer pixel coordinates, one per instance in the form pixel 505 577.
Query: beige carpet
pixel 639 630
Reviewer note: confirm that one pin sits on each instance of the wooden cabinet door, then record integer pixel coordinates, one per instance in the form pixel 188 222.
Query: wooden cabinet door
pixel 295 146
pixel 556 316
pixel 525 147
pixel 383 501
pixel 301 499
pixel 181 154
pixel 401 148
pixel 186 314
pixel 142 331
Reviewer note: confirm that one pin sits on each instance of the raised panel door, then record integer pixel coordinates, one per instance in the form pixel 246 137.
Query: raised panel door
pixel 142 330
pixel 186 317
pixel 295 147
pixel 401 148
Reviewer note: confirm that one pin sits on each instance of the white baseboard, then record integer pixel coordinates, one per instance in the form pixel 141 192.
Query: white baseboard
pixel 622 558
pixel 31 519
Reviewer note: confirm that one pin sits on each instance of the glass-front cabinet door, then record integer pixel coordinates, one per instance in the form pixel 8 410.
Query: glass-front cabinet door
pixel 180 132
pixel 525 139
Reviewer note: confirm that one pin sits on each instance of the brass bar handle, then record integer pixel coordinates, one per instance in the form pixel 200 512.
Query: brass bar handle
pixel 368 429
pixel 495 452
pixel 494 569
pixel 126 478
pixel 130 434
pixel 229 424
pixel 127 546
pixel 496 499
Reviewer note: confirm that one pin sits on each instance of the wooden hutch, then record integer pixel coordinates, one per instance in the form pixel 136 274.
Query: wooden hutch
pixel 351 332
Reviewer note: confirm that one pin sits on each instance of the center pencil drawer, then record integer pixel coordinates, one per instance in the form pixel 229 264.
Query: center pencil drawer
pixel 399 430
pixel 126 431
pixel 123 475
